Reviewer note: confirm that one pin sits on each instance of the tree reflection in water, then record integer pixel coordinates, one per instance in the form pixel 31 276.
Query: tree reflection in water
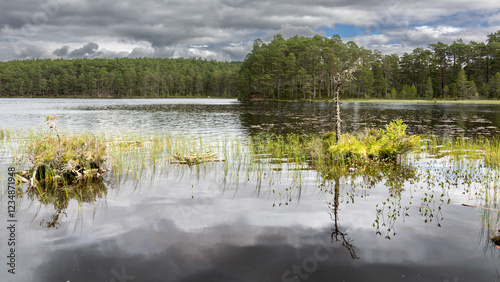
pixel 363 178
pixel 334 214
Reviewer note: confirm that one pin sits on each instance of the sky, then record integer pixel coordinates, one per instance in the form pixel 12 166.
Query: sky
pixel 225 30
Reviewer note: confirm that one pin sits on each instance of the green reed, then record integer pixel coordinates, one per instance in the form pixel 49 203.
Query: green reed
pixel 464 149
pixel 267 160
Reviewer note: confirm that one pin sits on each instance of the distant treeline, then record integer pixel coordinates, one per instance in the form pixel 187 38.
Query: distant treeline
pixel 121 77
pixel 302 68
pixel 297 68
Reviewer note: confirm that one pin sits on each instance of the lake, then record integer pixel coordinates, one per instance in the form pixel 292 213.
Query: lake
pixel 203 223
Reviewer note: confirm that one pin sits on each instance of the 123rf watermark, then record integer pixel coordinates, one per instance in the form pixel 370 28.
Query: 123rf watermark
pixel 11 220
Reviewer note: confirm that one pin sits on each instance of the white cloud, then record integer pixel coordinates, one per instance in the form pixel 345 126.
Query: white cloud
pixel 288 30
pixel 369 40
pixel 238 51
pixel 169 28
pixel 423 35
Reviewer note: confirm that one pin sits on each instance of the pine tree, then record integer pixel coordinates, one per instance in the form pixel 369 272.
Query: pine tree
pixel 429 91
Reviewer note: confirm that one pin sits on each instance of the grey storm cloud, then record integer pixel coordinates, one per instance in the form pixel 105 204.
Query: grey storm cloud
pixel 170 27
pixel 89 49
pixel 61 52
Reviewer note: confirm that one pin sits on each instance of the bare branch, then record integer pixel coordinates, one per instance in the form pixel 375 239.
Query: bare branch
pixel 338 81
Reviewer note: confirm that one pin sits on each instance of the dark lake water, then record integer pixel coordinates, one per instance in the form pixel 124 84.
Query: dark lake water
pixel 214 116
pixel 193 224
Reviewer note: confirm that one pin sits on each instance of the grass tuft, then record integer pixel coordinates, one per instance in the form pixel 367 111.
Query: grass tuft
pixel 64 160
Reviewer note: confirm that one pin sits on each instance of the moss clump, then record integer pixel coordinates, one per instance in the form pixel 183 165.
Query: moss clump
pixel 354 154
pixel 371 143
pixel 66 159
pixel 374 144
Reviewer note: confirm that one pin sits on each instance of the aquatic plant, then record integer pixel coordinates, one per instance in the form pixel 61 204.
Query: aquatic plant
pixel 5 134
pixel 352 154
pixel 64 160
pixel 61 160
pixel 58 167
pixel 463 149
pixel 385 143
pixel 371 155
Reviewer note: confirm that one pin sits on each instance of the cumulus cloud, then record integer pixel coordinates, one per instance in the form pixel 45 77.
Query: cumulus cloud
pixel 370 40
pixel 426 34
pixel 88 50
pixel 170 28
pixel 140 53
pixel 288 30
pixel 23 50
pixel 219 54
pixel 61 52
pixel 238 51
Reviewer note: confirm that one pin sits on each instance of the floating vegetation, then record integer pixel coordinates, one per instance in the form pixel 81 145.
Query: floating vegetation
pixel 429 166
pixel 353 154
pixel 131 155
pixel 464 149
pixel 196 159
pixel 62 160
pixel 371 143
pixel 59 167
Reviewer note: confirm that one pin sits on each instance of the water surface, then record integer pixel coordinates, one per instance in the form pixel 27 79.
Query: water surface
pixel 192 224
pixel 213 116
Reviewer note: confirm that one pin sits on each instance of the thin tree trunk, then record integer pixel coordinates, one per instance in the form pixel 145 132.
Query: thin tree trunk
pixel 338 126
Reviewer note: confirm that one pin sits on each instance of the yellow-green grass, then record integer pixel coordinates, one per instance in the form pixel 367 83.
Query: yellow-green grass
pixel 437 101
pixel 261 159
pixel 403 101
pixel 464 149
pixel 133 155
pixel 353 154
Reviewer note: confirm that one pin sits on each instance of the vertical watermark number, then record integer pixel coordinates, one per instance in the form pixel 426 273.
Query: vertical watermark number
pixel 11 220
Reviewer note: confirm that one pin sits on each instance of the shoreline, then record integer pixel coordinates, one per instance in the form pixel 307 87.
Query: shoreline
pixel 134 97
pixel 392 101
pixel 376 101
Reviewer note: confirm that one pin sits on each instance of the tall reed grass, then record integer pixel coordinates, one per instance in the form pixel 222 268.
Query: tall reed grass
pixel 463 149
pixel 274 164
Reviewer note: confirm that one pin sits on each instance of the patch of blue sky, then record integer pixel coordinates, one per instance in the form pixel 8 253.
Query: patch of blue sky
pixel 346 31
pixel 464 19
pixel 259 34
pixel 6 39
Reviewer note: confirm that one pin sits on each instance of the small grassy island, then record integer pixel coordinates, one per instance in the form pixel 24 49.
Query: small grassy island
pixel 61 160
pixel 353 153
